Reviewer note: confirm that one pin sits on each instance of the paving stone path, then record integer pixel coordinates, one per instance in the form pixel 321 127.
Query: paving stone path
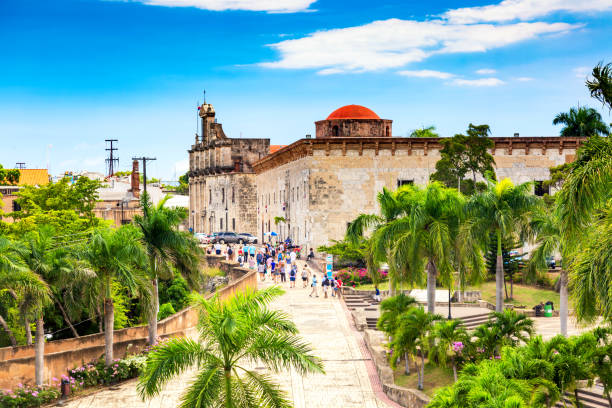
pixel 350 379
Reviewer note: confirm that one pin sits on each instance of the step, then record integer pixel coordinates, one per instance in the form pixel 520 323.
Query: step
pixel 592 398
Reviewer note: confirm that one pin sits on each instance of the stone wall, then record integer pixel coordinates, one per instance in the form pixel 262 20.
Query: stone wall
pixel 406 397
pixel 342 177
pixel 17 363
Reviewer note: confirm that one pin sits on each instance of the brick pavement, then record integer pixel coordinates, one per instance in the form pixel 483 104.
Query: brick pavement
pixel 350 379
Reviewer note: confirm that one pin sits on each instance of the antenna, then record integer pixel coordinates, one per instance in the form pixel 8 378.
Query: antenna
pixel 20 165
pixel 204 96
pixel 112 160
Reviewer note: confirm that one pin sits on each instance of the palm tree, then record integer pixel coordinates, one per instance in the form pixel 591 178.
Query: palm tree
pixel 234 332
pixel 549 240
pixel 446 336
pixel 601 84
pixel 502 209
pixel 429 131
pixel 488 339
pixel 390 311
pixel 581 121
pixel 24 281
pixel 584 209
pixel 412 337
pixel 425 235
pixel 390 209
pixel 166 248
pixel 513 327
pixel 115 256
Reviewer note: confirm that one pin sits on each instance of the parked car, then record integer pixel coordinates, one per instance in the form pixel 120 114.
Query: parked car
pixel 550 262
pixel 246 237
pixel 200 236
pixel 226 237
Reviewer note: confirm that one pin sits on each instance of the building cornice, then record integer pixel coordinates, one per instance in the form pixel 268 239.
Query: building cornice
pixel 306 147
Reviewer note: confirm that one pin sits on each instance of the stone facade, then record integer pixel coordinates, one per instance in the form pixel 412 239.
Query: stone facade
pixel 325 183
pixel 222 194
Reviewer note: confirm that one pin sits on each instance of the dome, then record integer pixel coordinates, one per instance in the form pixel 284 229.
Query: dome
pixel 353 112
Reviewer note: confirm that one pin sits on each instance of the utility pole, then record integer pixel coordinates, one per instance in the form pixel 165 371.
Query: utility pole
pixel 144 168
pixel 20 165
pixel 111 157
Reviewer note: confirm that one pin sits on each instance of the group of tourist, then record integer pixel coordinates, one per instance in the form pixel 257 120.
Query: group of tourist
pixel 279 262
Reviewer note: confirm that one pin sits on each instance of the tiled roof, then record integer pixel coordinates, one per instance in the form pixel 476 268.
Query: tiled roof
pixel 33 177
pixel 353 112
pixel 276 148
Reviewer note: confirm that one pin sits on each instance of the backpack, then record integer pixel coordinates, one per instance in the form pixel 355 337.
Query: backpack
pixel 292 273
pixel 230 252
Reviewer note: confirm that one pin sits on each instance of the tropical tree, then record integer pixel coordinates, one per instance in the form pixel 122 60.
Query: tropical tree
pixel 232 333
pixel 424 238
pixel 513 327
pixel 391 309
pixel 503 209
pixel 391 208
pixel 413 337
pixel 549 240
pixel 584 208
pixel 601 84
pixel 581 121
pixel 448 337
pixel 115 256
pixel 166 248
pixel 429 131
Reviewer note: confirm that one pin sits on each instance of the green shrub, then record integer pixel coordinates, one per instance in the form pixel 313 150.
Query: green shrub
pixel 96 373
pixel 165 310
pixel 26 396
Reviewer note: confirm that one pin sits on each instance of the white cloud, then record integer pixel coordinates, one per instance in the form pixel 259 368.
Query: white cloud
pixel 526 10
pixel 271 6
pixel 581 72
pixel 478 82
pixel 524 79
pixel 395 43
pixel 427 73
pixel 486 71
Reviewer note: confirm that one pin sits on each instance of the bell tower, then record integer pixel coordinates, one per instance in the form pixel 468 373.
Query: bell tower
pixel 207 114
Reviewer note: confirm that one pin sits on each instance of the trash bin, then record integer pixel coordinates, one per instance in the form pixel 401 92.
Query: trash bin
pixel 548 311
pixel 65 388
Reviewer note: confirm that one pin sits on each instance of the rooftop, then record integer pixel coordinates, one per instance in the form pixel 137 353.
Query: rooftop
pixel 353 112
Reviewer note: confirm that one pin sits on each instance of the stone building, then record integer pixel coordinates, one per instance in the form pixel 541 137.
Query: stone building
pixel 222 188
pixel 318 185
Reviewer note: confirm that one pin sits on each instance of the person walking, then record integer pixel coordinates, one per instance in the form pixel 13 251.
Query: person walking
pixel 314 286
pixel 218 248
pixel 305 276
pixel 261 268
pixel 293 256
pixel 281 267
pixel 230 253
pixel 325 285
pixel 251 250
pixel 339 286
pixel 292 274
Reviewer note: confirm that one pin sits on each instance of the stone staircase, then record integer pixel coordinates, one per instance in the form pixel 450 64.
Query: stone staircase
pixel 473 321
pixel 591 398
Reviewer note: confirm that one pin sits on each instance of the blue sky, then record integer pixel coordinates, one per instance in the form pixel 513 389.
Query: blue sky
pixel 75 72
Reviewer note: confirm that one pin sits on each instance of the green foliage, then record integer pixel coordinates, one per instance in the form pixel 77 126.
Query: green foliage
pixel 175 292
pixel 165 310
pixel 278 220
pixel 429 131
pixel 121 302
pixel 80 197
pixel 183 187
pixel 239 328
pixel 26 396
pixel 600 85
pixel 391 309
pixel 463 154
pixel 9 176
pixel 346 252
pixel 97 373
pixel 581 121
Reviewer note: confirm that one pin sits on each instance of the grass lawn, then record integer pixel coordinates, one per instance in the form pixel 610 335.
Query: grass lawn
pixel 435 378
pixel 523 294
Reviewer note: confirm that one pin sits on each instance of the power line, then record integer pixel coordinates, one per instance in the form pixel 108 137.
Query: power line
pixel 144 168
pixel 111 158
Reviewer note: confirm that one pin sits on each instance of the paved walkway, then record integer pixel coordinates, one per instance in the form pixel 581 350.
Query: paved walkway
pixel 350 379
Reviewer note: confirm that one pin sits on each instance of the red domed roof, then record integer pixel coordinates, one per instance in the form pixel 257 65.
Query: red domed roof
pixel 353 112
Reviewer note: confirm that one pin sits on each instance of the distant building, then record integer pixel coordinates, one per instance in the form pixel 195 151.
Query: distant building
pixel 27 177
pixel 318 185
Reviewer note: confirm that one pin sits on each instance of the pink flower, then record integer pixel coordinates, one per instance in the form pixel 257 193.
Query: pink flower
pixel 34 393
pixel 457 346
pixel 55 379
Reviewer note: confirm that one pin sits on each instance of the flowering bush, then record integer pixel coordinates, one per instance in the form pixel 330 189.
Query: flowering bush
pixel 357 276
pixel 27 396
pixel 98 373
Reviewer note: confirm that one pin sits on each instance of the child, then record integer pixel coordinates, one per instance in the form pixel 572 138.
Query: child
pixel 314 286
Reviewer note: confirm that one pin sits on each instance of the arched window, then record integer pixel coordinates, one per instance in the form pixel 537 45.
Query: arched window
pixel 335 131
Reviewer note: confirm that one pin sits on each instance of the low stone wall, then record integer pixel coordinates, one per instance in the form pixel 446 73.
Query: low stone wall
pixel 406 397
pixel 17 363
